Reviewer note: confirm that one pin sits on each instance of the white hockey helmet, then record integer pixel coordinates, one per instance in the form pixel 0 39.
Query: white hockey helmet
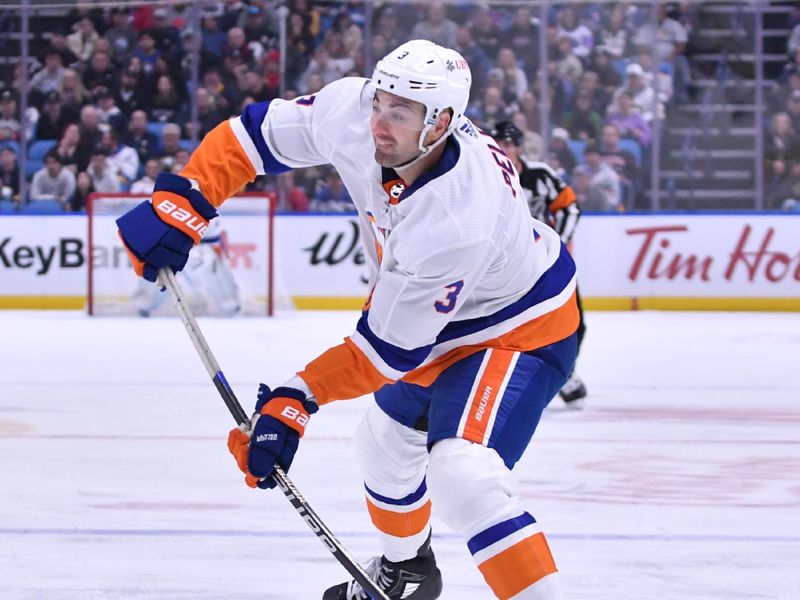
pixel 434 76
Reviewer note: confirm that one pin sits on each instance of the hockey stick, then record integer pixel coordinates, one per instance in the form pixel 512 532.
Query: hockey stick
pixel 166 278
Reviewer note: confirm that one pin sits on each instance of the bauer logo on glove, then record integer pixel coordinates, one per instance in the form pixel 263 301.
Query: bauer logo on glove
pixel 278 423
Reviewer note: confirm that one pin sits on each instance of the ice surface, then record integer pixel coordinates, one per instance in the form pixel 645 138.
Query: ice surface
pixel 680 480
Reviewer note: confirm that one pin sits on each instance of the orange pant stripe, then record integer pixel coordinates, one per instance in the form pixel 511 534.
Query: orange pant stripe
pixel 480 409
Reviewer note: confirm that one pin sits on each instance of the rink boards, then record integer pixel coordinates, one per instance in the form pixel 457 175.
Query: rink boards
pixel 741 261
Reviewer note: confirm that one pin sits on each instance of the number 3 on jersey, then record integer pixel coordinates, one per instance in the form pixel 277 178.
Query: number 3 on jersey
pixel 449 303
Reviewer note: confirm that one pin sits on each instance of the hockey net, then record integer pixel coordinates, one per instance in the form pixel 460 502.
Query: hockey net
pixel 227 275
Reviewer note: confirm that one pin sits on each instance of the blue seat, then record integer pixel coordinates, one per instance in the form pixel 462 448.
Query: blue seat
pixel 632 146
pixel 32 166
pixel 38 149
pixel 620 65
pixel 577 147
pixel 7 207
pixel 188 145
pixel 156 128
pixel 42 207
pixel 10 144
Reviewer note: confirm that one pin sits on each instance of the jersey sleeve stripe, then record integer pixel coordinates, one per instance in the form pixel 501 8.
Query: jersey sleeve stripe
pixel 247 144
pixel 253 119
pixel 220 165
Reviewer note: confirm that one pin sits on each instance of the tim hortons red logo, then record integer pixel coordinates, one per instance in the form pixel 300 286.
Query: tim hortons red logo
pixel 656 257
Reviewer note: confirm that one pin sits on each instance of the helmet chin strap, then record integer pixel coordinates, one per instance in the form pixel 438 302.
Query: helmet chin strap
pixel 424 150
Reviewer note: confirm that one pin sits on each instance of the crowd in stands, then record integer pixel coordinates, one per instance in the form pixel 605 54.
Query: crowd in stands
pixel 110 96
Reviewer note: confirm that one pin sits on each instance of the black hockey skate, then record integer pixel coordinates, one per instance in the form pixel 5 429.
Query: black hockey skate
pixel 415 579
pixel 573 392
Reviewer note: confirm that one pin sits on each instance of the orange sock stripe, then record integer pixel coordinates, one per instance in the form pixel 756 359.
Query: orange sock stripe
pixel 480 409
pixel 518 567
pixel 400 524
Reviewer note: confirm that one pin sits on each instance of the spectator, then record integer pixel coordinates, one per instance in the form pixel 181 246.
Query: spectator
pixel 623 162
pixel 99 75
pixel 129 96
pixel 236 51
pixel 146 184
pixel 589 84
pixel 84 187
pixel 792 108
pixel 522 36
pixel 644 98
pixel 167 38
pixel 170 141
pixel 629 120
pixel 90 127
pixel 108 113
pixel 514 81
pixel 491 109
pixel 387 27
pixel 48 79
pixel 58 44
pixel 608 78
pixel 569 66
pixel 485 32
pixel 559 145
pixel 208 116
pixel 180 161
pixel 74 156
pixel 475 56
pixel 786 187
pixel 103 177
pixel 529 106
pixel 583 122
pixel 581 36
pixel 332 196
pixel 437 27
pixel 531 143
pixel 614 36
pixel 121 35
pixel 53 181
pixel 259 25
pixel 146 53
pixel 9 175
pixel 782 143
pixel 122 160
pixel 54 118
pixel 253 85
pixel 323 65
pixel 166 104
pixel 295 196
pixel 603 192
pixel 82 42
pixel 72 92
pixel 144 142
pixel 668 39
pixel 9 119
pixel 350 33
pixel 271 67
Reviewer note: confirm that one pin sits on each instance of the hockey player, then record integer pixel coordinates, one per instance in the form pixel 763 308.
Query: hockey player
pixel 553 202
pixel 468 331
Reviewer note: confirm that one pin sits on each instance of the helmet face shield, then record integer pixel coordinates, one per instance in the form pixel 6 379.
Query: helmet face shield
pixel 395 112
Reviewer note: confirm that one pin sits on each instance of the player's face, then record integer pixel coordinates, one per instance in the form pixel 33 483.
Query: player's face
pixel 396 124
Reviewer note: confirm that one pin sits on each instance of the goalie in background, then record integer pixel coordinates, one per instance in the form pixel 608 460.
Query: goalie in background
pixel 208 279
pixel 550 201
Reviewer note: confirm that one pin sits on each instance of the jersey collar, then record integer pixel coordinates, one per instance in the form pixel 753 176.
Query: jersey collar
pixel 450 156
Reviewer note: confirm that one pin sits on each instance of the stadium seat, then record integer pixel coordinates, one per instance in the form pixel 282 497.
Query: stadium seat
pixel 577 147
pixel 7 207
pixel 42 207
pixel 10 144
pixel 188 145
pixel 633 147
pixel 156 128
pixel 39 148
pixel 620 65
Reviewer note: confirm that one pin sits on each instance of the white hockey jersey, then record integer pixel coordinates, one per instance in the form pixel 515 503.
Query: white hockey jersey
pixel 456 262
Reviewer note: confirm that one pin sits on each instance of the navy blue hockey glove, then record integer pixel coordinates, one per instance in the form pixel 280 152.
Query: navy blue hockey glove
pixel 279 422
pixel 160 233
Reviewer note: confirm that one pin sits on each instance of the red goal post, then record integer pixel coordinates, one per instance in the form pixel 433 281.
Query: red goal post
pixel 247 240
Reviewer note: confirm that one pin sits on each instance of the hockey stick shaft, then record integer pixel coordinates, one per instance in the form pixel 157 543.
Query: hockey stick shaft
pixel 166 278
